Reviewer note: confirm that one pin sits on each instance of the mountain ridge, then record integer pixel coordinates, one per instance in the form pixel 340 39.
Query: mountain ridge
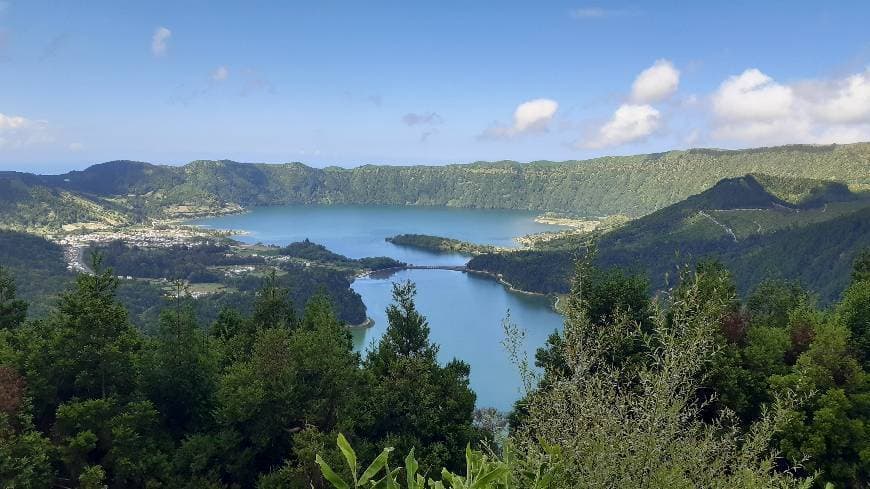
pixel 632 185
pixel 718 223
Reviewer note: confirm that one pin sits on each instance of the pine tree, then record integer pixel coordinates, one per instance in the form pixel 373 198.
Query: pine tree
pixel 85 349
pixel 180 370
pixel 272 308
pixel 414 402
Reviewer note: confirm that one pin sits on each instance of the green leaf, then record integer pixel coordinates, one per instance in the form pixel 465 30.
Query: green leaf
pixel 377 464
pixel 469 461
pixel 436 484
pixel 392 483
pixel 447 476
pixel 349 455
pixel 330 475
pixel 489 478
pixel 388 482
pixel 411 467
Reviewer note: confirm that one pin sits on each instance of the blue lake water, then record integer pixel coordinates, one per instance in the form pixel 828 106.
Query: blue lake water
pixel 465 311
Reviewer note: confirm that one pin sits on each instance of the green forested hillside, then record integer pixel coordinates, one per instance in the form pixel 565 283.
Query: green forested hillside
pixel 632 185
pixel 740 221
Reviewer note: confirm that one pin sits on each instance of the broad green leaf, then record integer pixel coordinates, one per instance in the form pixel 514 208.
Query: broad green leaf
pixel 469 461
pixel 393 475
pixel 330 474
pixel 388 482
pixel 349 454
pixel 411 467
pixel 489 478
pixel 377 464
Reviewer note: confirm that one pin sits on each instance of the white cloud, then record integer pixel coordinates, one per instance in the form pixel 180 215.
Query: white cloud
pixel 628 124
pixel 75 147
pixel 160 41
pixel 637 119
pixel 529 117
pixel 655 83
pixel 220 73
pixel 841 101
pixel 752 96
pixel 17 132
pixel 753 108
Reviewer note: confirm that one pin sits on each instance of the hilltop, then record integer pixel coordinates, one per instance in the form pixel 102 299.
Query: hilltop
pixel 121 192
pixel 759 226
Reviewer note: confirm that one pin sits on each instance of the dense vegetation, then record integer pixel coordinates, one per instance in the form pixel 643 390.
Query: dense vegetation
pixel 694 389
pixel 811 241
pixel 89 401
pixel 213 265
pixel 38 266
pixel 616 399
pixel 126 191
pixel 437 244
pixel 316 252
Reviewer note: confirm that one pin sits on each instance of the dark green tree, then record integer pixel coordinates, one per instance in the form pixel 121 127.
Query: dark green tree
pixel 86 349
pixel 13 310
pixel 125 440
pixel 854 313
pixel 861 269
pixel 305 378
pixel 272 308
pixel 772 300
pixel 413 401
pixel 602 296
pixel 828 432
pixel 179 370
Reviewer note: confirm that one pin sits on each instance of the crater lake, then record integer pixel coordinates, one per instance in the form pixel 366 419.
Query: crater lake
pixel 465 311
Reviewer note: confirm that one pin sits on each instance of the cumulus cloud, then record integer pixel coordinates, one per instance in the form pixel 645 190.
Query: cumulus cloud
pixel 637 119
pixel 529 117
pixel 17 132
pixel 754 108
pixel 752 96
pixel 656 83
pixel 160 41
pixel 425 118
pixel 843 101
pixel 220 73
pixel 628 124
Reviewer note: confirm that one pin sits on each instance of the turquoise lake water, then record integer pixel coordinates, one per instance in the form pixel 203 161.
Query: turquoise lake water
pixel 465 311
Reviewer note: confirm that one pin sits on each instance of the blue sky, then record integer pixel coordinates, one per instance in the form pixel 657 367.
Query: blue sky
pixel 404 82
